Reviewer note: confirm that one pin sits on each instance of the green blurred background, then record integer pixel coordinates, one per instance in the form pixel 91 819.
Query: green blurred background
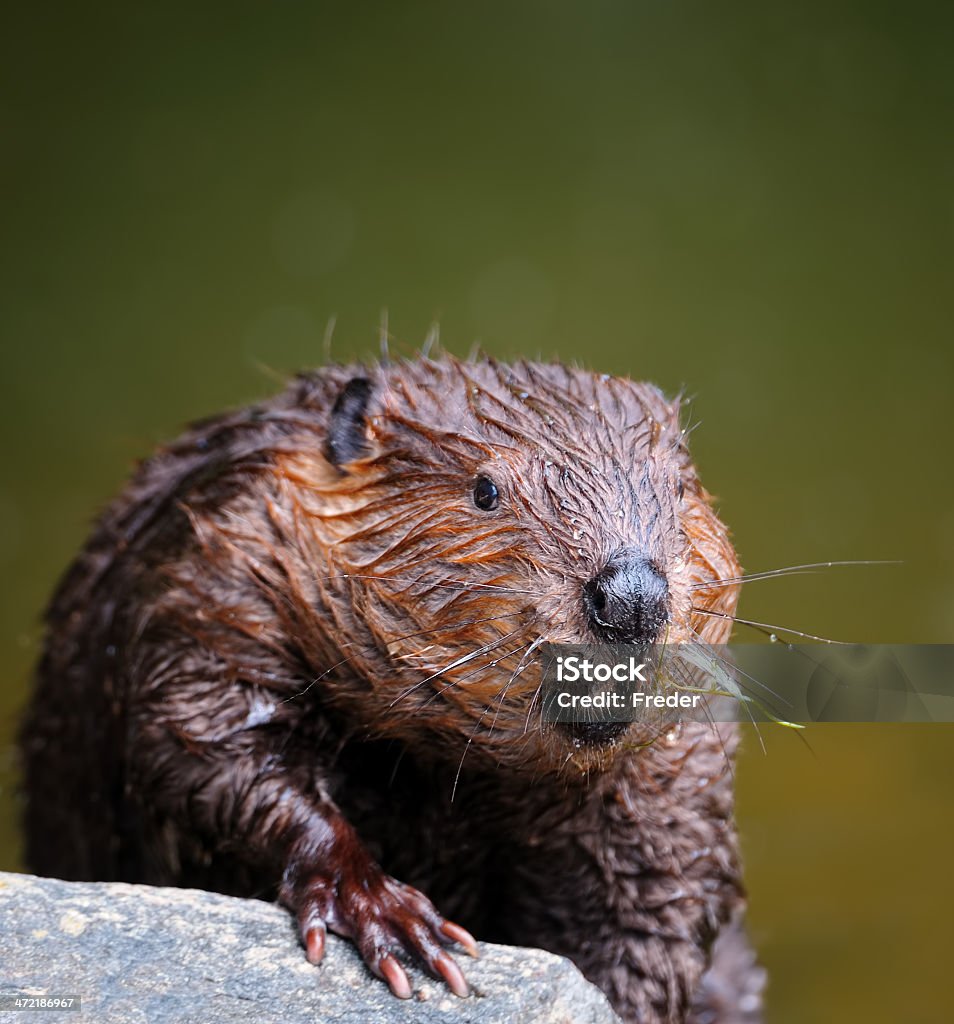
pixel 752 202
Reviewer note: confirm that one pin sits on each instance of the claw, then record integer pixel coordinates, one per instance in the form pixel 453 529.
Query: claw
pixel 315 943
pixel 452 974
pixel 462 936
pixel 396 977
pixel 382 917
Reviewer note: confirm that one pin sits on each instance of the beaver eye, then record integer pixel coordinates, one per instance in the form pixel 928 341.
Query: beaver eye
pixel 486 495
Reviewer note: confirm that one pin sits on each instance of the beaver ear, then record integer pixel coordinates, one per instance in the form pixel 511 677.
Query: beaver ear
pixel 348 426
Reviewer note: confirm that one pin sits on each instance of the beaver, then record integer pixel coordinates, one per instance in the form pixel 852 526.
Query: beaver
pixel 292 662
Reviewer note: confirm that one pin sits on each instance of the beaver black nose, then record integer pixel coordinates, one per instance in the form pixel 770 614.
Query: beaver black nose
pixel 627 601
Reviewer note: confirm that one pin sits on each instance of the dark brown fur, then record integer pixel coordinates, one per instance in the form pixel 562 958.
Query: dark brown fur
pixel 259 658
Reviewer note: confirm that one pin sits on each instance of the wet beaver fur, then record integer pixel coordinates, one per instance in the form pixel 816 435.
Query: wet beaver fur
pixel 293 661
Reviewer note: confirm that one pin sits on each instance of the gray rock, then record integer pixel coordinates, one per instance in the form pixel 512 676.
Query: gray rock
pixel 135 953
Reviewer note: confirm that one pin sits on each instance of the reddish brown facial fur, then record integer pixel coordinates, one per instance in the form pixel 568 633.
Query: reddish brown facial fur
pixel 306 631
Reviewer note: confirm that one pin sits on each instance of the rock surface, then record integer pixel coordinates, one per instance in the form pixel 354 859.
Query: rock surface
pixel 141 954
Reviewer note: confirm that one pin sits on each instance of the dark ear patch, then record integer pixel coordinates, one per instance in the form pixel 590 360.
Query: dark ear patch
pixel 347 428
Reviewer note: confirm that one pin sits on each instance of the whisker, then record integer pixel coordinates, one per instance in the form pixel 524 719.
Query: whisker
pixel 767 628
pixel 483 715
pixel 699 642
pixel 456 663
pixel 790 570
pixel 460 763
pixel 729 763
pixel 454 625
pixel 393 640
pixel 711 650
pixel 424 581
pixel 520 666
pixel 475 671
pixel 538 691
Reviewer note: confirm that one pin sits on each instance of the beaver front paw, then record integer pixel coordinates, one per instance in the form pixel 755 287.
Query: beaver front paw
pixel 385 919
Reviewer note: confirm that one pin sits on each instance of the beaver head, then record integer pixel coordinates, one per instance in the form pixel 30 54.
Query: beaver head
pixel 459 514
